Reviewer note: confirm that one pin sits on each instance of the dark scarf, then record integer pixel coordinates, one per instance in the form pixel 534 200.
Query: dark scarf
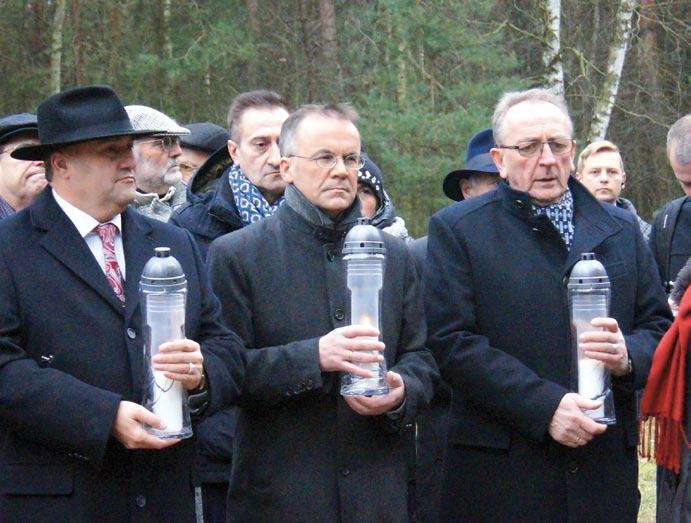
pixel 561 216
pixel 316 217
pixel 249 200
pixel 665 391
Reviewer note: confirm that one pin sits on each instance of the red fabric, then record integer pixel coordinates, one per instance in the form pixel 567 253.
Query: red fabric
pixel 664 394
pixel 107 232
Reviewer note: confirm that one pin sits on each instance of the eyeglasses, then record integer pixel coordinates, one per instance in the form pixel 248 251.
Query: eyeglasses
pixel 532 148
pixel 166 143
pixel 352 162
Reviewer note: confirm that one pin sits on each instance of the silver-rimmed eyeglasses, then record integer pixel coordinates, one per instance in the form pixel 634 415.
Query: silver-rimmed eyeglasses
pixel 352 162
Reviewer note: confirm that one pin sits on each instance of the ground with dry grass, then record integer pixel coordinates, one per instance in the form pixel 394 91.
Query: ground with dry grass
pixel 646 484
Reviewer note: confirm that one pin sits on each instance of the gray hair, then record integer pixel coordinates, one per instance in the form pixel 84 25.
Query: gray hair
pixel 679 140
pixel 291 125
pixel 508 100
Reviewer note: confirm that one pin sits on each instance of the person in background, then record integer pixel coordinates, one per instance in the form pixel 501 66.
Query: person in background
pixel 375 202
pixel 479 176
pixel 600 169
pixel 21 181
pixel 205 138
pixel 670 238
pixel 159 187
pixel 520 448
pixel 240 184
pixel 666 400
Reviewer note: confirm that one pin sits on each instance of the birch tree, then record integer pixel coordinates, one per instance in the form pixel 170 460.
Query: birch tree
pixel 615 63
pixel 553 76
pixel 56 46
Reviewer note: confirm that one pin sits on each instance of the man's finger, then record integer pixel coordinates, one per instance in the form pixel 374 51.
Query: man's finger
pixel 605 323
pixel 357 371
pixel 356 331
pixel 144 415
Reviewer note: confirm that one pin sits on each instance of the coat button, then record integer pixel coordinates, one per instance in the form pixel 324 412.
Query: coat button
pixel 339 314
pixel 345 471
pixel 520 204
pixel 573 466
pixel 131 334
pixel 140 500
pixel 331 255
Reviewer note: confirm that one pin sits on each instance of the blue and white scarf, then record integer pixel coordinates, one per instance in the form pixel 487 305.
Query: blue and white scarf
pixel 561 216
pixel 249 200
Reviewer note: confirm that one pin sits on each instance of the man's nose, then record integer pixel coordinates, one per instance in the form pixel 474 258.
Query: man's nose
pixel 274 154
pixel 546 154
pixel 340 168
pixel 175 150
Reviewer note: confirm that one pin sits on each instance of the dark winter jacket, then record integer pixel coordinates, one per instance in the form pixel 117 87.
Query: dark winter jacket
pixel 499 326
pixel 210 210
pixel 301 453
pixel 627 205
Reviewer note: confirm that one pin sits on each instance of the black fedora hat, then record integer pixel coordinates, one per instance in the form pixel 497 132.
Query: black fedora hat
pixel 477 160
pixel 77 115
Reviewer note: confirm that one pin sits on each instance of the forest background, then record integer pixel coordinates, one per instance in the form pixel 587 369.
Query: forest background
pixel 424 75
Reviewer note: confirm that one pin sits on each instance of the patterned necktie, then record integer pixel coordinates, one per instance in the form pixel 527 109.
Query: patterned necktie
pixel 107 233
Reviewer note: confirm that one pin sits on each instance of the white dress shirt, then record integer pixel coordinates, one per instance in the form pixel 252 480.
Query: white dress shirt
pixel 85 224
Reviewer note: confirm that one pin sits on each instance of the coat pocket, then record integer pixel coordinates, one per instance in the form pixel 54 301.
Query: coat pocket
pixel 36 480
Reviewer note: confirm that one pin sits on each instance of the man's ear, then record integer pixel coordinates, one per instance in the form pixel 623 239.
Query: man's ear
pixel 286 169
pixel 497 156
pixel 233 151
pixel 59 163
pixel 578 176
pixel 623 179
pixel 464 185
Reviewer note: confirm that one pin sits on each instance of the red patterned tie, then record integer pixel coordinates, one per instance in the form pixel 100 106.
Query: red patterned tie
pixel 107 233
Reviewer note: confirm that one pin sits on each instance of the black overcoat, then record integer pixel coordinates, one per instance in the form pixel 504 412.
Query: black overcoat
pixel 498 320
pixel 301 454
pixel 69 353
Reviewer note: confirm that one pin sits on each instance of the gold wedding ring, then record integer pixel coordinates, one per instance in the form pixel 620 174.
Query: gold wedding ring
pixel 190 368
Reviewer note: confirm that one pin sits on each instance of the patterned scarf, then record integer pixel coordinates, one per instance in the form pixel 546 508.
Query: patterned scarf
pixel 561 216
pixel 249 200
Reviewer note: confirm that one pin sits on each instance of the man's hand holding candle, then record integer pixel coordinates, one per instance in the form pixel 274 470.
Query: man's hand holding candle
pixel 344 348
pixel 376 405
pixel 607 346
pixel 570 426
pixel 181 360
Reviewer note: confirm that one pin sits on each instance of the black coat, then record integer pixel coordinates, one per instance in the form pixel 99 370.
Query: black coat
pixel 498 320
pixel 301 454
pixel 69 353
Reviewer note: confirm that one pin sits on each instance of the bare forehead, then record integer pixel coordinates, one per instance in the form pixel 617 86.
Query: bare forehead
pixel 261 121
pixel 330 133
pixel 603 158
pixel 533 119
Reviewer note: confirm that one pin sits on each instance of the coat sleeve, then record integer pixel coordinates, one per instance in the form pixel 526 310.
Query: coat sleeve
pixel 224 353
pixel 274 374
pixel 47 406
pixel 652 317
pixel 486 377
pixel 414 362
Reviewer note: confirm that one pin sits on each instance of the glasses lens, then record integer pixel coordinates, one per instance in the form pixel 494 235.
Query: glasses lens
pixel 529 148
pixel 326 161
pixel 560 146
pixel 352 162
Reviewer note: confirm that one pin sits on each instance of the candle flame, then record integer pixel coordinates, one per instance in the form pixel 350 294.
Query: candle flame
pixel 365 320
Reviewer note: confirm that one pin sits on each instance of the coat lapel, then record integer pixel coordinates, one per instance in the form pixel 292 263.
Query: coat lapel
pixel 139 248
pixel 63 241
pixel 593 224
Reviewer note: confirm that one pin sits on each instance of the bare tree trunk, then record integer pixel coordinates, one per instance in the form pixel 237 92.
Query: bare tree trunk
pixel 77 43
pixel 56 46
pixel 332 68
pixel 252 7
pixel 553 75
pixel 648 49
pixel 308 49
pixel 615 63
pixel 167 43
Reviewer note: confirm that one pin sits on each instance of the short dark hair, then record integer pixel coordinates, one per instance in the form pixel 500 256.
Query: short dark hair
pixel 262 98
pixel 290 126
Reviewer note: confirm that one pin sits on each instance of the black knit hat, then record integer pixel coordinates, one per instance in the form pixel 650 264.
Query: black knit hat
pixel 370 175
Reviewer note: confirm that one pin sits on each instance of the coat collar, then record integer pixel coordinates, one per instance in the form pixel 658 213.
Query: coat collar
pixel 592 222
pixel 62 240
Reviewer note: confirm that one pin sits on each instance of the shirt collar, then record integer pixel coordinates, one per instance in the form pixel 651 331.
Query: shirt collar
pixel 85 223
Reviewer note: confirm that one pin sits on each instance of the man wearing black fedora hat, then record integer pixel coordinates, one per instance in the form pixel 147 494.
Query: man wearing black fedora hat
pixel 71 337
pixel 21 181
